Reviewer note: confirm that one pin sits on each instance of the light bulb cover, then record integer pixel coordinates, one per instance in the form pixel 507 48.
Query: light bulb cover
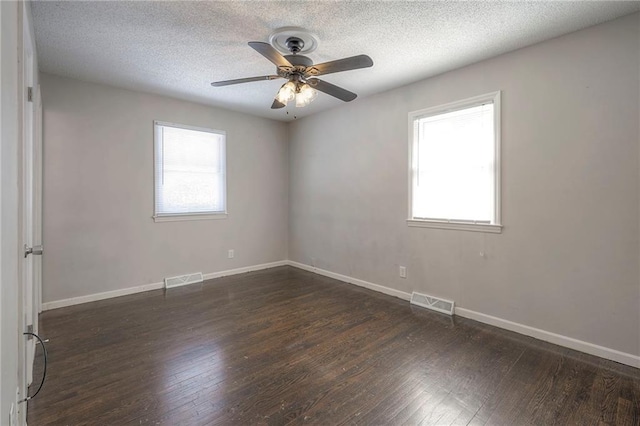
pixel 287 92
pixel 305 95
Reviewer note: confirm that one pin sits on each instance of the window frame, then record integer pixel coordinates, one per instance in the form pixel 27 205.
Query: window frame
pixel 171 217
pixel 461 225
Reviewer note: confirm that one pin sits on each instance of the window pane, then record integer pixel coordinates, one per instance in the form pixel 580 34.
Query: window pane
pixel 189 192
pixel 191 150
pixel 190 171
pixel 455 166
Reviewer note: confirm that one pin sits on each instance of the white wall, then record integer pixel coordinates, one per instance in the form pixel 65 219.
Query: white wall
pixel 567 260
pixel 98 191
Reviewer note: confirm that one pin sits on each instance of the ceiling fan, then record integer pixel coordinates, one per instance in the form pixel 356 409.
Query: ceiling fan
pixel 301 73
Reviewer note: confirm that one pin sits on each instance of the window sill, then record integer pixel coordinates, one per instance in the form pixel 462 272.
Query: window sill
pixel 188 216
pixel 458 226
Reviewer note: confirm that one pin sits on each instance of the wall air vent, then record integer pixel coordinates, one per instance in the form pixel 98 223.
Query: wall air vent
pixel 434 303
pixel 183 280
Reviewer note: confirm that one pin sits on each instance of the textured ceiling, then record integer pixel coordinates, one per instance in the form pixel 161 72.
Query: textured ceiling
pixel 178 48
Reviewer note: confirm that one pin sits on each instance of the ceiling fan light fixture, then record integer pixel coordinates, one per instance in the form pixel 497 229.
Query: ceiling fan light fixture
pixel 287 92
pixel 305 95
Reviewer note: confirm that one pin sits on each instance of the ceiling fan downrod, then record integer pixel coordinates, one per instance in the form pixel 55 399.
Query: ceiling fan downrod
pixel 294 44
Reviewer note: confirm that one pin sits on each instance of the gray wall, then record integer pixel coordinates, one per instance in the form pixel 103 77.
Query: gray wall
pixel 567 260
pixel 98 192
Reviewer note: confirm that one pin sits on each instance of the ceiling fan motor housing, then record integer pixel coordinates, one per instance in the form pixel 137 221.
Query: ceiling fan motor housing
pixel 300 67
pixel 299 60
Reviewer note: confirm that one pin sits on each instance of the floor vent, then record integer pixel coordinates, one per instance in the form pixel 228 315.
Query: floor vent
pixel 183 280
pixel 434 303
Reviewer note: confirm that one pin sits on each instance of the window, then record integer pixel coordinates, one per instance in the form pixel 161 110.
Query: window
pixel 190 173
pixel 455 165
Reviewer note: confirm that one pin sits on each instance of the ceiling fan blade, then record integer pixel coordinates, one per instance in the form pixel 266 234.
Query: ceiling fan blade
pixel 277 104
pixel 332 89
pixel 266 50
pixel 346 64
pixel 244 80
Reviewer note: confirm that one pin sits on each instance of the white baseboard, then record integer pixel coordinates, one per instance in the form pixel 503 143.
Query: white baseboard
pixel 47 306
pixel 547 336
pixel 360 283
pixel 558 339
pixel 245 269
pixel 153 286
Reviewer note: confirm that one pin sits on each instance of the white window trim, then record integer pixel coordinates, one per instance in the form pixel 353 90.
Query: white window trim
pixel 441 109
pixel 176 217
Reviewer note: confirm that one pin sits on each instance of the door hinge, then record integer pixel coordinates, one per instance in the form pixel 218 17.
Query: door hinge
pixel 29 330
pixel 30 94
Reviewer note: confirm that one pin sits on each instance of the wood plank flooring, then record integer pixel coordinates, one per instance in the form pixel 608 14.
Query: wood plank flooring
pixel 285 346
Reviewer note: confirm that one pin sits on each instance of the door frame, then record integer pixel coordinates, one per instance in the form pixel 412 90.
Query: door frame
pixel 37 203
pixel 29 200
pixel 27 195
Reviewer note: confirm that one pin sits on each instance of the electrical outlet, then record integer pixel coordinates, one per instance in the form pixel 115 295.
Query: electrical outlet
pixel 403 272
pixel 231 254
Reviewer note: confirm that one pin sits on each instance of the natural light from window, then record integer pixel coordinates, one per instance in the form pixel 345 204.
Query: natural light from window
pixel 454 168
pixel 190 176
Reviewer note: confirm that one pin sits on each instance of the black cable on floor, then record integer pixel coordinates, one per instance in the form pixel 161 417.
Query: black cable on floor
pixel 44 373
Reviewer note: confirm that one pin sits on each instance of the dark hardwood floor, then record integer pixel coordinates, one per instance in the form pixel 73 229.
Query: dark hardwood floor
pixel 286 346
